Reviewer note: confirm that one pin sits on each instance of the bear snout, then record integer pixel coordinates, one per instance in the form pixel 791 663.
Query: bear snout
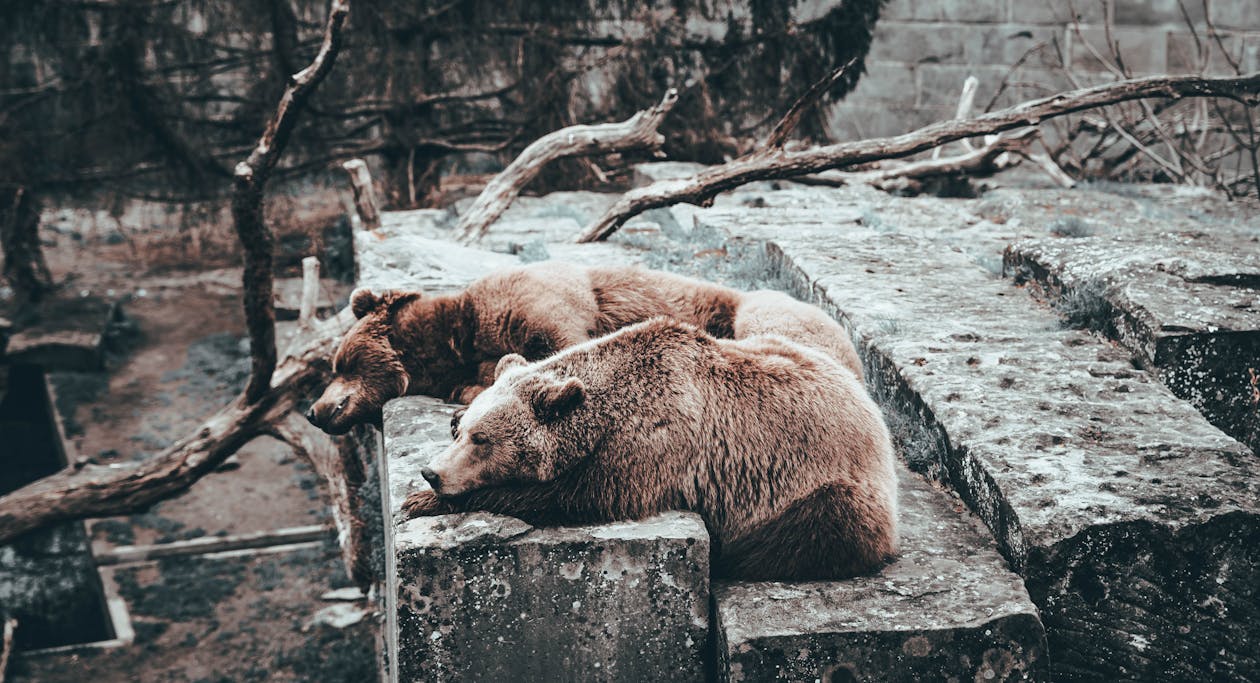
pixel 432 477
pixel 325 412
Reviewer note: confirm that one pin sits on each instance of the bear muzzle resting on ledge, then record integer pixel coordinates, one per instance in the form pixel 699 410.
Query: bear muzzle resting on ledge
pixel 775 445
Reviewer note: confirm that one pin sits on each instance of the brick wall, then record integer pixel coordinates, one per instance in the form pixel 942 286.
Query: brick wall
pixel 924 49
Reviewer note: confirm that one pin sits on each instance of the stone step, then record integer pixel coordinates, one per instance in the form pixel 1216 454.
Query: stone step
pixel 1133 520
pixel 947 608
pixel 1187 306
pixel 950 600
pixel 488 597
pixel 67 333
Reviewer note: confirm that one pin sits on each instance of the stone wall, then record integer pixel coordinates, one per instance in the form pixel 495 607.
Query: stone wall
pixel 924 49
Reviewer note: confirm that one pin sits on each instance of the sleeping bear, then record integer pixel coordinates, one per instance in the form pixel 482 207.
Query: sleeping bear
pixel 407 343
pixel 776 445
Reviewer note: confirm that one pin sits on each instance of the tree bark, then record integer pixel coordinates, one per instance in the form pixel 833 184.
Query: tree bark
pixel 250 179
pixel 365 203
pixel 637 132
pixel 24 266
pixel 773 163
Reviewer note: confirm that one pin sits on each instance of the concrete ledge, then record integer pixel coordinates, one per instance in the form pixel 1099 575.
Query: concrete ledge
pixel 1185 305
pixel 948 608
pixel 488 597
pixel 1089 473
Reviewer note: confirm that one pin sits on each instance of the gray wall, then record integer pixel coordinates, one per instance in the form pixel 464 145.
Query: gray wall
pixel 924 49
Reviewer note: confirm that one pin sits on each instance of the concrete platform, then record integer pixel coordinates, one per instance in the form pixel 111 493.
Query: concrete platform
pixel 1133 520
pixel 488 597
pixel 948 608
pixel 67 333
pixel 1186 305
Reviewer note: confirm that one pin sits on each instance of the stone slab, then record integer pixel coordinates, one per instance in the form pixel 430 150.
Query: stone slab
pixel 488 597
pixel 1133 520
pixel 393 257
pixel 948 608
pixel 67 334
pixel 1186 305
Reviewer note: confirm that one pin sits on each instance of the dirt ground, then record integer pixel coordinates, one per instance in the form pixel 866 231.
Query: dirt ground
pixel 227 617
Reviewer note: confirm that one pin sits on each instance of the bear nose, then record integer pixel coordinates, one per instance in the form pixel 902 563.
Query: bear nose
pixel 432 477
pixel 311 417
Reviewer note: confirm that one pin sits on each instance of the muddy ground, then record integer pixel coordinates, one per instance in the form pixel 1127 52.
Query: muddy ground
pixel 249 615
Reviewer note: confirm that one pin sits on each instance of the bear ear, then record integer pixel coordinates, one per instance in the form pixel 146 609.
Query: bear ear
pixel 512 360
pixel 556 399
pixel 363 301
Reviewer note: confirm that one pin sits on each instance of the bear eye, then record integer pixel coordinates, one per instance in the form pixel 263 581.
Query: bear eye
pixel 480 438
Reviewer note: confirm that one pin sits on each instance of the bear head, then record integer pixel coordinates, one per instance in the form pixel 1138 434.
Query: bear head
pixel 401 342
pixel 515 432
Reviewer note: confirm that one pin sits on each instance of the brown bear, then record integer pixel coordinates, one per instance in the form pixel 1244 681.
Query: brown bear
pixel 446 346
pixel 775 445
pixel 766 311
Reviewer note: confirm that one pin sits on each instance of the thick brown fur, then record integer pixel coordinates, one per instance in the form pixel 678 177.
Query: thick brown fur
pixel 446 346
pixel 775 445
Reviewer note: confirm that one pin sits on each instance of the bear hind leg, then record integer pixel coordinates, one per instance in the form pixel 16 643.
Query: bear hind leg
pixel 835 532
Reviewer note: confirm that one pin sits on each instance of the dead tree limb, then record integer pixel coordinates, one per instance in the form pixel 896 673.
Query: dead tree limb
pixel 364 194
pixel 792 118
pixel 90 490
pixel 787 164
pixel 995 156
pixel 637 132
pixel 250 179
pixel 6 646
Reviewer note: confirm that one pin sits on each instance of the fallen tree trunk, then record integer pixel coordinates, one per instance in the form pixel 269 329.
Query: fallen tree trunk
pixel 89 490
pixel 775 163
pixel 979 161
pixel 637 132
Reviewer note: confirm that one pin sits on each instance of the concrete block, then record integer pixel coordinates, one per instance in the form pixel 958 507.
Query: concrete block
pixel 67 334
pixel 981 44
pixel 978 11
pixel 1135 523
pixel 1236 14
pixel 1156 12
pixel 1184 53
pixel 887 82
pixel 1056 12
pixel 941 84
pixel 947 609
pixel 1143 50
pixel 488 597
pixel 1185 306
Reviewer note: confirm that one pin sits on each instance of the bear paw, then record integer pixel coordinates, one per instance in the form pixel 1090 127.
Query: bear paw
pixel 425 503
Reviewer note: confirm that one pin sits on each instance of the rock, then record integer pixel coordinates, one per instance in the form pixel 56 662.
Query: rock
pixel 487 597
pixel 392 257
pixel 1186 305
pixel 947 608
pixel 67 333
pixel 338 616
pixel 1133 520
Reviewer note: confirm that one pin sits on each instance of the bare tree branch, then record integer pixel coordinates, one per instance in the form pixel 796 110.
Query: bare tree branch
pixel 788 164
pixel 637 132
pixel 792 118
pixel 247 204
pixel 89 490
